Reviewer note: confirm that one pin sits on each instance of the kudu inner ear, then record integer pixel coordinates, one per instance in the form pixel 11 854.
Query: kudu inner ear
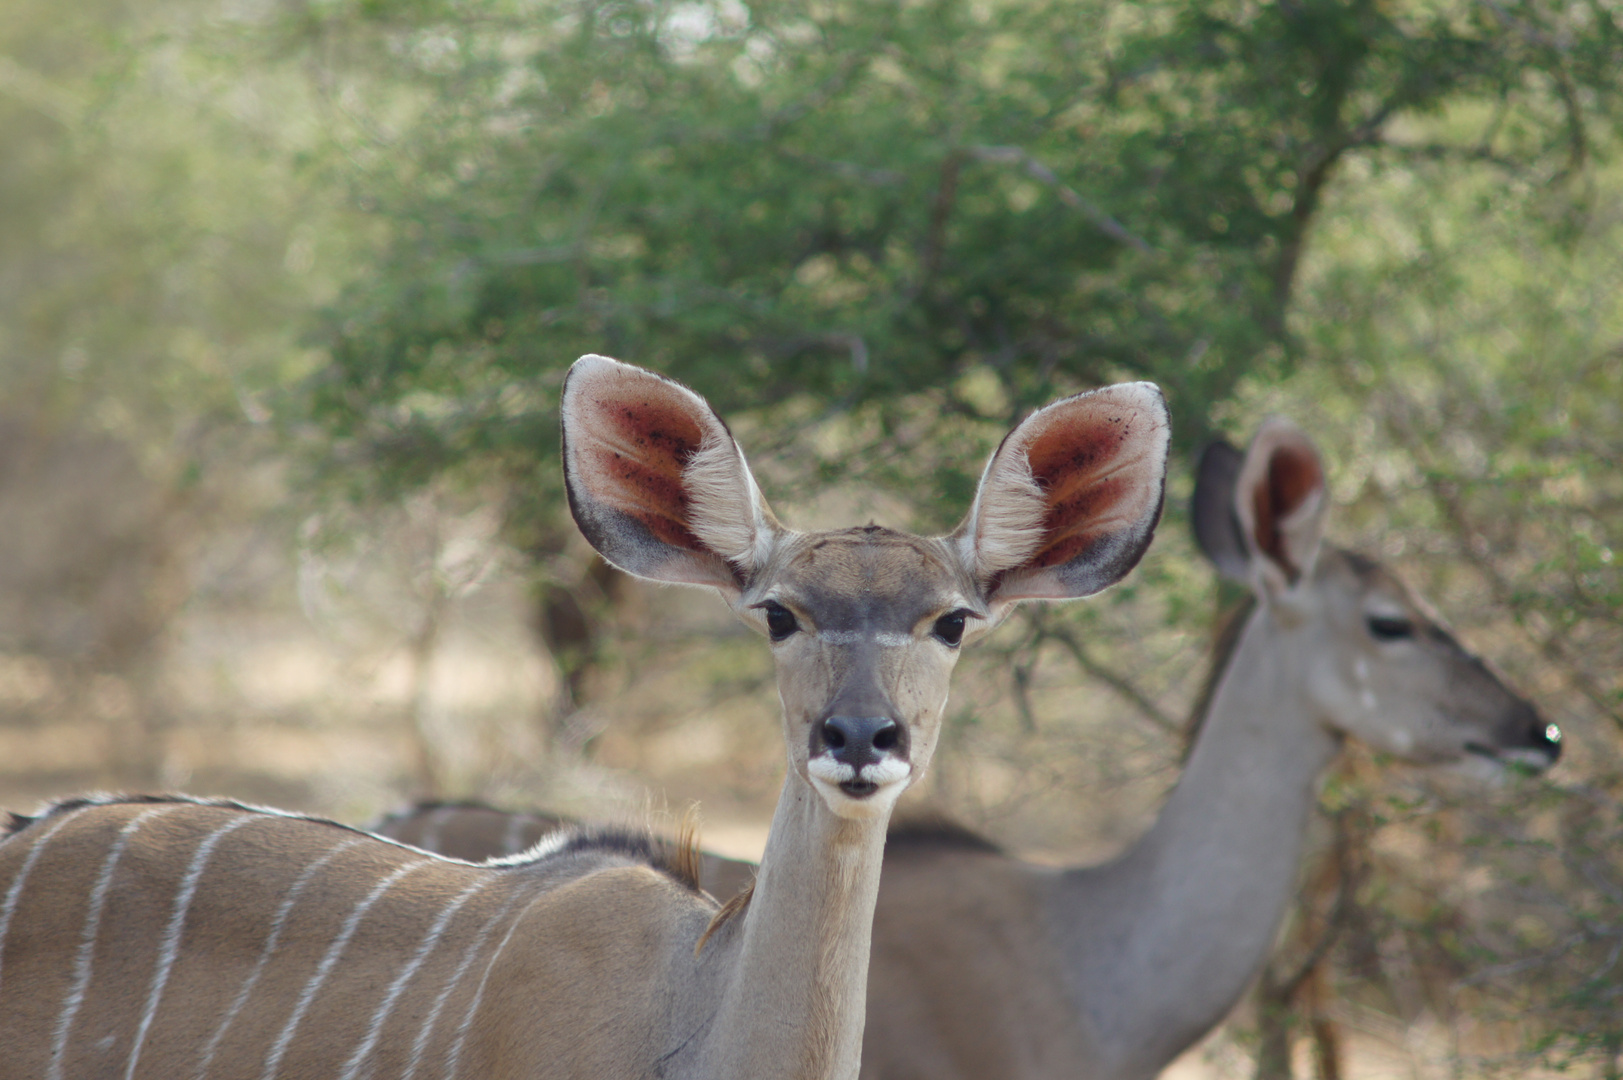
pixel 1070 500
pixel 1280 500
pixel 1211 511
pixel 655 481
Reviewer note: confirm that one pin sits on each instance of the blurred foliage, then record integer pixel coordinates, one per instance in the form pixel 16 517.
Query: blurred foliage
pixel 156 247
pixel 849 202
pixel 873 235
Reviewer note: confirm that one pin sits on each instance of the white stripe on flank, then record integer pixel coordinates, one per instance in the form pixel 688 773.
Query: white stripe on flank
pixel 171 935
pixel 452 1061
pixel 87 940
pixel 271 941
pixel 353 1066
pixel 323 969
pixel 421 1043
pixel 14 893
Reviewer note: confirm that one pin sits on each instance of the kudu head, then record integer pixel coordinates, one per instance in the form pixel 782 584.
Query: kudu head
pixel 1378 662
pixel 865 623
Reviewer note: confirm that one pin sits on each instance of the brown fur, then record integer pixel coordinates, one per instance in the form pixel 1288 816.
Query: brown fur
pixel 229 922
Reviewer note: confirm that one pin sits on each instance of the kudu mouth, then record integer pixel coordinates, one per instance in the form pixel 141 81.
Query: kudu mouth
pixel 1541 749
pixel 859 754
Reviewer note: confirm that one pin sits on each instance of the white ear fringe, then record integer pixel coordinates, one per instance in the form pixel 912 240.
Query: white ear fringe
pixel 1009 513
pixel 721 509
pixel 1301 530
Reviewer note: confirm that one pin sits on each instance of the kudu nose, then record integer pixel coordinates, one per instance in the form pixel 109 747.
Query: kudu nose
pixel 1545 737
pixel 859 740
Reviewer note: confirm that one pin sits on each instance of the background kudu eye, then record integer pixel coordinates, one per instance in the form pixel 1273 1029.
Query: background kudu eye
pixel 950 627
pixel 780 621
pixel 1389 627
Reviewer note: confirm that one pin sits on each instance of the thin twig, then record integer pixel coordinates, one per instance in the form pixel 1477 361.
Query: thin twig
pixel 1113 679
pixel 1014 155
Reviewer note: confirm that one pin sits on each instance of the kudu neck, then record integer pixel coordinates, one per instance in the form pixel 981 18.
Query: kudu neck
pixel 1163 940
pixel 797 988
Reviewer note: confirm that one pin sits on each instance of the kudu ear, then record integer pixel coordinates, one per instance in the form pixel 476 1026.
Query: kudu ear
pixel 1280 502
pixel 1211 511
pixel 1069 501
pixel 655 480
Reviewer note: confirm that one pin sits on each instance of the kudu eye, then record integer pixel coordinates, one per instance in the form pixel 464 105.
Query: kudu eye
pixel 950 628
pixel 780 621
pixel 1389 627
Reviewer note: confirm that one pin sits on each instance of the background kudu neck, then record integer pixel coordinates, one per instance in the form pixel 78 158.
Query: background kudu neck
pixel 794 998
pixel 1162 941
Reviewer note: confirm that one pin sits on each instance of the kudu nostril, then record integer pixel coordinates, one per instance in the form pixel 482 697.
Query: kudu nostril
pixel 859 740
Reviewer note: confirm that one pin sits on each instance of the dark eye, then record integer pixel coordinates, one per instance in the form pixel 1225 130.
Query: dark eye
pixel 1390 628
pixel 950 627
pixel 780 621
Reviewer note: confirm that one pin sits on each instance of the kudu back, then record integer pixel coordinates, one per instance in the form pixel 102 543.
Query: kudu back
pixel 168 937
pixel 475 832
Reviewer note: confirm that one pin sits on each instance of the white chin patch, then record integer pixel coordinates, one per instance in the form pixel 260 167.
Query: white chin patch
pixel 890 776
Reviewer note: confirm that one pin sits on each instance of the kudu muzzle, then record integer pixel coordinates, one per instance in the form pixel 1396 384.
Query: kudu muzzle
pixel 859 736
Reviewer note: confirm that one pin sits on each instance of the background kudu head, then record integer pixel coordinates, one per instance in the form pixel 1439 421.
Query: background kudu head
pixel 865 623
pixel 1381 665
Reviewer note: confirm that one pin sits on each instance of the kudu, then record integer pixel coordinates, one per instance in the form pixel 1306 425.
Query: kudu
pixel 984 965
pixel 180 938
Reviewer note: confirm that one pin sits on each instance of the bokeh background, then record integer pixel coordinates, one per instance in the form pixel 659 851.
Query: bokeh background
pixel 287 290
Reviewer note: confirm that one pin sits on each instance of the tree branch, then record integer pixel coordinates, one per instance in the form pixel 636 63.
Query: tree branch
pixel 1014 155
pixel 1113 679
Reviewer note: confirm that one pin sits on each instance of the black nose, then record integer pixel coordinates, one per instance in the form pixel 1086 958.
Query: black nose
pixel 859 740
pixel 1546 737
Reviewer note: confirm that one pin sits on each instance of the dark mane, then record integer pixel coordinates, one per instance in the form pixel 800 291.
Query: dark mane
pixel 1230 624
pixel 674 861
pixel 935 833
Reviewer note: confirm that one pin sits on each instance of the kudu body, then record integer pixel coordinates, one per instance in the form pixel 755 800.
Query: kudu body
pixel 182 939
pixel 984 965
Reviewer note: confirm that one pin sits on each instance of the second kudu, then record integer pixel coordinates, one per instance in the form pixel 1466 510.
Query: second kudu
pixel 984 965
pixel 175 938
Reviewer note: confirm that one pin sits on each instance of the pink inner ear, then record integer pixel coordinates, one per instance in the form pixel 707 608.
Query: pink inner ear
pixel 1082 462
pixel 640 445
pixel 1293 476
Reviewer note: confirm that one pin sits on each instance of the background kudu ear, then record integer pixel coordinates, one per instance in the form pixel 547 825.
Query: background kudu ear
pixel 655 481
pixel 1069 501
pixel 1280 502
pixel 1211 511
